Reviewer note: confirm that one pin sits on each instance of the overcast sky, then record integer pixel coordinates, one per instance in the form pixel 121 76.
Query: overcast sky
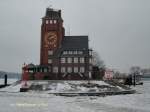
pixel 119 30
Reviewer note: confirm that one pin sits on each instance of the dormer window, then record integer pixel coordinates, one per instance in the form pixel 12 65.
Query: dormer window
pixel 75 52
pixel 80 52
pixel 70 52
pixel 46 21
pixel 65 52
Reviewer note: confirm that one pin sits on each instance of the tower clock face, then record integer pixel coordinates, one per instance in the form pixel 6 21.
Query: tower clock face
pixel 51 39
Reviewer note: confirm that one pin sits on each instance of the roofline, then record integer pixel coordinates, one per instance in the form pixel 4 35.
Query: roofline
pixel 76 36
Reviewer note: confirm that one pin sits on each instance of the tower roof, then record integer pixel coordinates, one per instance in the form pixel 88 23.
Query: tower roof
pixel 53 13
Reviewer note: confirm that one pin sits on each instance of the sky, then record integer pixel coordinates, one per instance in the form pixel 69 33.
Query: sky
pixel 119 30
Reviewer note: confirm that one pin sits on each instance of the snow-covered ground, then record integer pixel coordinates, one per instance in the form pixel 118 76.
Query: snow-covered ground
pixel 9 81
pixel 64 86
pixel 41 102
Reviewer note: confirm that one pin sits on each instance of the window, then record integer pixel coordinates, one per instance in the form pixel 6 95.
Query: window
pixel 51 21
pixel 75 60
pixel 45 70
pixel 49 61
pixel 75 52
pixel 65 52
pixel 75 69
pixel 50 52
pixel 81 60
pixel 55 69
pixel 80 52
pixel 70 52
pixel 30 71
pixel 63 60
pixel 69 60
pixel 46 21
pixel 69 69
pixel 82 70
pixel 41 69
pixel 90 60
pixel 63 69
pixel 55 21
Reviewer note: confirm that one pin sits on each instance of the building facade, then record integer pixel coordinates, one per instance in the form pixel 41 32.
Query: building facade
pixel 61 57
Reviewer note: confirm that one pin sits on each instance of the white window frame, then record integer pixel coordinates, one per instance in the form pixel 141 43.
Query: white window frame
pixel 63 69
pixel 76 69
pixel 69 69
pixel 51 21
pixel 30 71
pixel 47 22
pixel 55 21
pixel 65 52
pixel 75 60
pixel 63 60
pixel 82 60
pixel 69 60
pixel 82 69
pixel 50 52
pixel 70 52
pixel 45 70
pixel 75 52
pixel 41 69
pixel 90 60
pixel 80 52
pixel 50 61
pixel 55 69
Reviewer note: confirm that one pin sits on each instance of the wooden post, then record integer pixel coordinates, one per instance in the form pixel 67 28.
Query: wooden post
pixel 134 78
pixel 5 80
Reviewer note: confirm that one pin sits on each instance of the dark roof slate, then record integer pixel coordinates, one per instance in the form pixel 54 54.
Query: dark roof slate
pixel 75 43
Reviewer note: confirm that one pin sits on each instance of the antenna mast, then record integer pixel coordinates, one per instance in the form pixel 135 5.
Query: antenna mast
pixel 50 4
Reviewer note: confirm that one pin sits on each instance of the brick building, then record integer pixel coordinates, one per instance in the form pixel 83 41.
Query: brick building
pixel 61 57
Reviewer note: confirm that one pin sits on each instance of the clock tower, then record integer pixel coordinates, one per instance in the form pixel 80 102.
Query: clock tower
pixel 61 57
pixel 52 33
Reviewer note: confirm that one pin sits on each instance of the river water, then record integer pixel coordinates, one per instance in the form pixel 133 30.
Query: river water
pixel 41 102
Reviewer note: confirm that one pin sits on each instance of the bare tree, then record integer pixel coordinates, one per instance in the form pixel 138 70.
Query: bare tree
pixel 135 70
pixel 97 61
